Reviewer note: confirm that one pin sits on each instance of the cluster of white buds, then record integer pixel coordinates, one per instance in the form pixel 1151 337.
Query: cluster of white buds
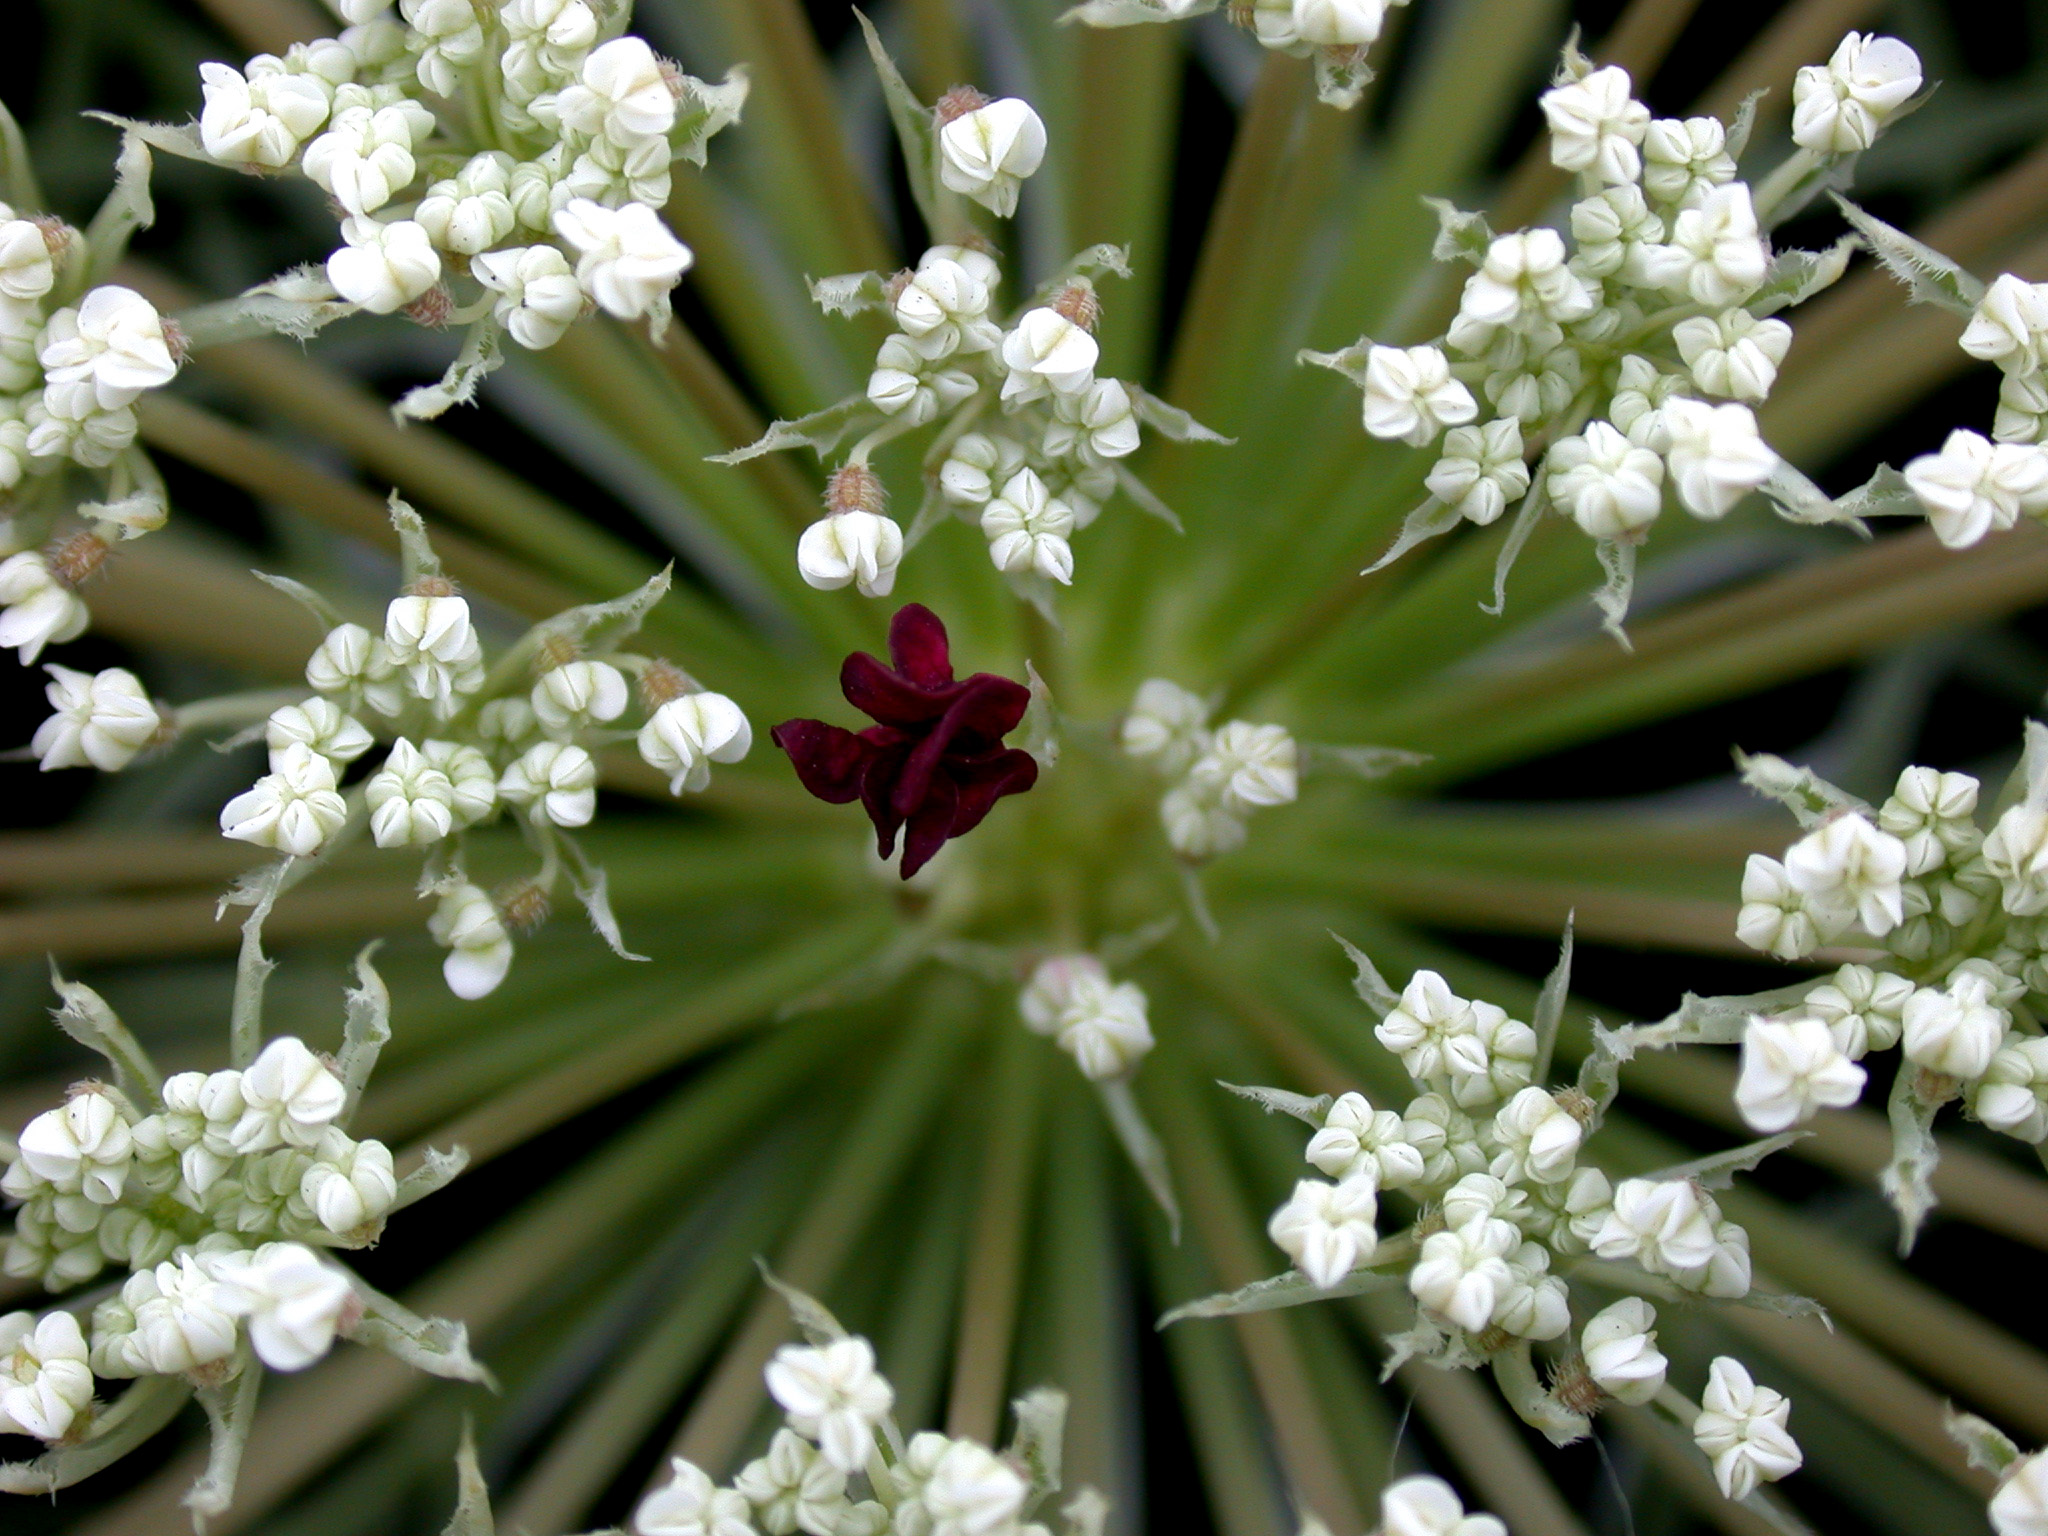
pixel 254 1154
pixel 839 1466
pixel 1100 1023
pixel 1218 777
pixel 1335 34
pixel 501 166
pixel 1741 1428
pixel 1485 1163
pixel 1030 441
pixel 1627 361
pixel 462 744
pixel 74 359
pixel 1958 913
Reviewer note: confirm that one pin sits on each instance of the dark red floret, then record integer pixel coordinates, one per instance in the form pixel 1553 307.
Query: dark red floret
pixel 933 764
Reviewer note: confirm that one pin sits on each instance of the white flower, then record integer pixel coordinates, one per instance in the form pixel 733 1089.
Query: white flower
pixel 1410 394
pixel 690 1504
pixel 1775 917
pixel 26 272
pixel 1247 766
pixel 2020 1507
pixel 944 309
pixel 411 802
pixel 289 1098
pixel 469 774
pixel 365 157
pixel 1934 815
pixel 793 1488
pixel 1610 487
pixel 114 341
pixel 555 782
pixel 1051 988
pixel 1724 258
pixel 1619 1344
pixel 1534 1305
pixel 1957 1029
pixel 1103 1027
pixel 1481 470
pixel 1733 354
pixel 621 95
pixel 1837 109
pixel 1433 1031
pixel 181 1318
pixel 1426 1506
pixel 1463 1273
pixel 1165 724
pixel 1027 529
pixel 1198 825
pixel 538 295
pixel 2010 326
pixel 1047 351
pixel 1340 23
pixel 1538 1138
pixel 102 720
pixel 978 464
pixel 2016 853
pixel 63 423
pixel 383 267
pixel 1663 1224
pixel 988 153
pixel 1523 281
pixel 350 1183
pixel 1100 421
pixel 2022 409
pixel 1684 159
pixel 472 210
pixel 626 258
pixel 467 923
pixel 449 36
pixel 685 736
pixel 578 695
pixel 349 659
pixel 1741 1429
pixel 833 1395
pixel 971 1492
pixel 1358 1141
pixel 1862 1008
pixel 1596 125
pixel 1850 871
pixel 294 808
pixel 1716 454
pixel 320 724
pixel 2012 1095
pixel 45 1382
pixel 83 1148
pixel 294 1303
pixel 1790 1068
pixel 1612 230
pixel 431 641
pixel 863 548
pixel 1327 1229
pixel 258 121
pixel 1973 486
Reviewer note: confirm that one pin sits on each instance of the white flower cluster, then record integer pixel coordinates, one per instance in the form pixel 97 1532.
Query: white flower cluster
pixel 840 1466
pixel 1218 777
pixel 1961 914
pixel 1100 1023
pixel 1335 34
pixel 253 1155
pixel 1488 1159
pixel 1043 470
pixel 501 165
pixel 1631 357
pixel 1429 1506
pixel 464 743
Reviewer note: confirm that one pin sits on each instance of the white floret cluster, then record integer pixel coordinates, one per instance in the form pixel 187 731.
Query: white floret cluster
pixel 501 166
pixel 1504 1214
pixel 839 1466
pixel 464 742
pixel 1030 441
pixel 1956 965
pixel 1101 1023
pixel 1335 34
pixel 1611 372
pixel 1218 777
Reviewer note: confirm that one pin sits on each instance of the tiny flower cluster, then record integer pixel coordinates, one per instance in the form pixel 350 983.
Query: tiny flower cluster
pixel 1030 480
pixel 1489 1160
pixel 839 1466
pixel 1626 363
pixel 1100 1023
pixel 465 741
pixel 1218 776
pixel 1958 915
pixel 222 1197
pixel 1335 34
pixel 501 166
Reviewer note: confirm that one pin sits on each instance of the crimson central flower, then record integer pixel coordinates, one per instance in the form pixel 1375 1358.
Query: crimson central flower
pixel 933 764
